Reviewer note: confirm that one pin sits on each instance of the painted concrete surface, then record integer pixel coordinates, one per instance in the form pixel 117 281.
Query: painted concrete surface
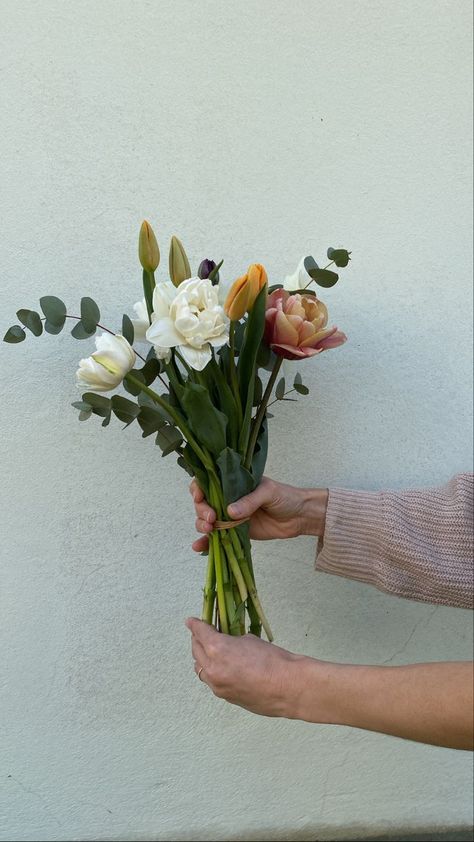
pixel 255 131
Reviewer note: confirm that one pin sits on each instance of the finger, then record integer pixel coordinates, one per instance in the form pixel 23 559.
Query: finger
pixel 197 649
pixel 196 491
pixel 201 673
pixel 201 545
pixel 204 511
pixel 204 633
pixel 246 506
pixel 203 526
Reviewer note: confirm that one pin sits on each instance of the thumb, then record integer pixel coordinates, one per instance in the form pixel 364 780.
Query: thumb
pixel 246 506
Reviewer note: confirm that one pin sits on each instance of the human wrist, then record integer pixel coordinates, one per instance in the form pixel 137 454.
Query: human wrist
pixel 314 503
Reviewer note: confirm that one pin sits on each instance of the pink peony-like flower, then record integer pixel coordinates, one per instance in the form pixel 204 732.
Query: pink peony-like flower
pixel 295 326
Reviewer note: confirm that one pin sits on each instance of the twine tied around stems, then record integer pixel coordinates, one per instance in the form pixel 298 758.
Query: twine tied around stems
pixel 228 524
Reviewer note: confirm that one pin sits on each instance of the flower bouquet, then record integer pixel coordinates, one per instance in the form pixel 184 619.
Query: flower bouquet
pixel 199 387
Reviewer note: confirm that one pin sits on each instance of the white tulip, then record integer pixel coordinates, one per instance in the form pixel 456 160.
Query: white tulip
pixel 299 279
pixel 189 318
pixel 142 323
pixel 106 367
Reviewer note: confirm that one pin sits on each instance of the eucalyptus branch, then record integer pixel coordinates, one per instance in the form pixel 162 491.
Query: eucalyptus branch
pixel 324 267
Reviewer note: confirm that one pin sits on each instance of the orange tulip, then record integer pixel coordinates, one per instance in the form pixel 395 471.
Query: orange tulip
pixel 243 292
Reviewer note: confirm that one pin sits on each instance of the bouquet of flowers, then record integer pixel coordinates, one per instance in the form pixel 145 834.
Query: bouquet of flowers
pixel 200 387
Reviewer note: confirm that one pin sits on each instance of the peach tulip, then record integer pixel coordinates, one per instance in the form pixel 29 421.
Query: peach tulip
pixel 295 326
pixel 243 292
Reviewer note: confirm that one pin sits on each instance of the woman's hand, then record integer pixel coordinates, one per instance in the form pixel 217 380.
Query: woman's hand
pixel 430 703
pixel 246 671
pixel 275 511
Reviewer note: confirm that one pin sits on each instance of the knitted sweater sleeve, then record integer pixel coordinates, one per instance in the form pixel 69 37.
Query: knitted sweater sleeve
pixel 417 544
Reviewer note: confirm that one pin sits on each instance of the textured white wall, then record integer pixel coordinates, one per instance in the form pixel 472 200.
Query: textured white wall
pixel 255 131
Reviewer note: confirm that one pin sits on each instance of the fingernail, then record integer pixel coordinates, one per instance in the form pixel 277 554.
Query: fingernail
pixel 234 510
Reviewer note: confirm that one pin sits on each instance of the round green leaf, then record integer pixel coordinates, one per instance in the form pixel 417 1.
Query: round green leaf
pixel 100 404
pixel 340 256
pixel 79 331
pixel 90 314
pixel 14 334
pixel 31 320
pixel 324 277
pixel 54 309
pixel 82 406
pixel 54 327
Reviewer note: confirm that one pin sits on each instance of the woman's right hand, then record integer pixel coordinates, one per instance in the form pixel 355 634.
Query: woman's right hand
pixel 275 511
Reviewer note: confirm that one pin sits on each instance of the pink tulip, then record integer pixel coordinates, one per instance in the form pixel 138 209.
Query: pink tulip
pixel 295 326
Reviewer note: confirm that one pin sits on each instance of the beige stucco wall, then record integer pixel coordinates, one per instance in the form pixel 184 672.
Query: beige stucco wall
pixel 255 131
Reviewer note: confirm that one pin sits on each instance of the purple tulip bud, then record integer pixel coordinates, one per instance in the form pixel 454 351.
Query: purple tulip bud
pixel 205 268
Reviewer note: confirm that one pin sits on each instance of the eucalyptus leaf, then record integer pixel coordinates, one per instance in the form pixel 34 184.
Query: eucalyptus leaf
pixel 54 327
pixel 82 406
pixel 100 404
pixel 340 256
pixel 298 378
pixel 54 309
pixel 31 320
pixel 183 464
pixel 324 277
pixel 132 388
pixel 168 439
pixel 79 331
pixel 128 331
pixel 90 314
pixel 258 391
pixel 124 409
pixel 14 334
pixel 85 414
pixel 150 420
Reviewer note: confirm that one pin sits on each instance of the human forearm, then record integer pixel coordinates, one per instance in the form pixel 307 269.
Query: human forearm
pixel 314 503
pixel 430 703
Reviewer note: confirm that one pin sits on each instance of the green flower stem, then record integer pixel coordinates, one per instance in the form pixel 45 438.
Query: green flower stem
pixel 221 598
pixel 148 287
pixel 249 581
pixel 233 373
pixel 209 588
pixel 177 418
pixel 234 565
pixel 261 412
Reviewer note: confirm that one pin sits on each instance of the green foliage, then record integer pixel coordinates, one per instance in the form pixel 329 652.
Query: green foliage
pixel 258 391
pixel 168 439
pixel 14 334
pixel 148 289
pixel 341 257
pixel 323 277
pixel 151 419
pixel 124 409
pixel 128 331
pixel 90 315
pixel 31 320
pixel 55 312
pixel 80 332
pixel 207 422
pixel 236 480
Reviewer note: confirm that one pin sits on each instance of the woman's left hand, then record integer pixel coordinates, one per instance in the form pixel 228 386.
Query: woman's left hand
pixel 246 671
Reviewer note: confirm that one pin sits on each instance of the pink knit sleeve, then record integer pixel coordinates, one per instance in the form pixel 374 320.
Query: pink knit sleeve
pixel 416 544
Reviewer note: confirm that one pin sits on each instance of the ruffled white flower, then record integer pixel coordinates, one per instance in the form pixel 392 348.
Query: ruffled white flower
pixel 106 367
pixel 191 320
pixel 299 279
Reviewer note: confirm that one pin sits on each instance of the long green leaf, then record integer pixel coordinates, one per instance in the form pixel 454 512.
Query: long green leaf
pixel 207 422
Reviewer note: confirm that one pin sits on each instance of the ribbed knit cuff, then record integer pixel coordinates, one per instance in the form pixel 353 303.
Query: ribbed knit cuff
pixel 353 544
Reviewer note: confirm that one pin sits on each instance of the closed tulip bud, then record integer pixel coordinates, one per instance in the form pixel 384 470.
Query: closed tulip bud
pixel 148 251
pixel 243 292
pixel 206 267
pixel 179 266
